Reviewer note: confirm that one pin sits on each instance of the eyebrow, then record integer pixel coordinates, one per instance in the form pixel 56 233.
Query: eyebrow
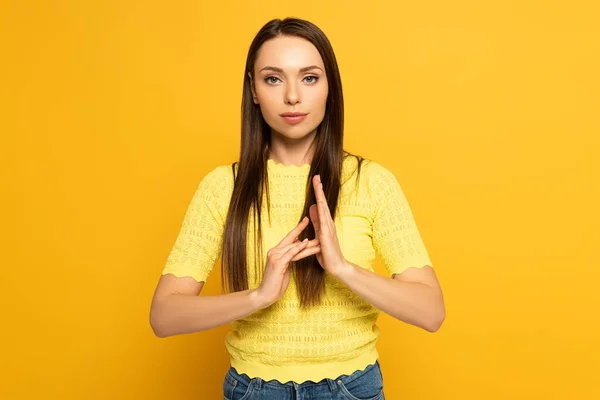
pixel 268 67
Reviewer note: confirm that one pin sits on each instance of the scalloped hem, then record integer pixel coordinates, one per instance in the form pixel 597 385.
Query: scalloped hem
pixel 304 373
pixel 274 165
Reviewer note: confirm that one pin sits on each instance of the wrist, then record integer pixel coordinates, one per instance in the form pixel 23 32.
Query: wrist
pixel 258 300
pixel 344 269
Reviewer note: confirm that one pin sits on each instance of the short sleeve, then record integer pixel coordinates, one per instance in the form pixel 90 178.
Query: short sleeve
pixel 396 238
pixel 198 244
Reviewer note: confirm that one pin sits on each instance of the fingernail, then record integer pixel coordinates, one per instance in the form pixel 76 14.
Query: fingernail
pixel 305 240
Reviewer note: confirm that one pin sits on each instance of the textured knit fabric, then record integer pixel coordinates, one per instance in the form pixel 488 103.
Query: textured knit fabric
pixel 339 336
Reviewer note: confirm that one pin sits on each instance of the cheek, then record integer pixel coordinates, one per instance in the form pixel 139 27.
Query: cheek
pixel 320 102
pixel 268 104
pixel 270 110
pixel 321 96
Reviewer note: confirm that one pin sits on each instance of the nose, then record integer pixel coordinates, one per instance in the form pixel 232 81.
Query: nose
pixel 292 95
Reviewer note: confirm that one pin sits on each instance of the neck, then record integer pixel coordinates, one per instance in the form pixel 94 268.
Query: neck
pixel 286 151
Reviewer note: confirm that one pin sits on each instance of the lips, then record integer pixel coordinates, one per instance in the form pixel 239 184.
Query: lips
pixel 292 119
pixel 292 114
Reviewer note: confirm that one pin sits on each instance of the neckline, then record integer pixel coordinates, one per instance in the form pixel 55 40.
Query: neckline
pixel 274 165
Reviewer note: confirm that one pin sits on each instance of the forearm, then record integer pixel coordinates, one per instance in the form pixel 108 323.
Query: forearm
pixel 180 314
pixel 412 302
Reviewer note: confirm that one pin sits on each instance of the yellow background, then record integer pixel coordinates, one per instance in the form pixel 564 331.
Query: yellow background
pixel 487 112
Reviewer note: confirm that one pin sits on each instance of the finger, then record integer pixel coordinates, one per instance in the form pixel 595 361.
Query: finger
pixel 310 243
pixel 292 251
pixel 314 217
pixel 320 197
pixel 317 187
pixel 324 198
pixel 328 218
pixel 307 252
pixel 313 243
pixel 290 237
pixel 282 249
pixel 323 223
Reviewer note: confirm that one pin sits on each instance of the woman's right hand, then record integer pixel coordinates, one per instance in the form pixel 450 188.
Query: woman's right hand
pixel 276 276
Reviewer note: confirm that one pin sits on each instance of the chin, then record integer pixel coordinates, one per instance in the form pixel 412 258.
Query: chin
pixel 294 133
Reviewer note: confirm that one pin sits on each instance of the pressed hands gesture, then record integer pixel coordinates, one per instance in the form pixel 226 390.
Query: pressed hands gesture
pixel 325 246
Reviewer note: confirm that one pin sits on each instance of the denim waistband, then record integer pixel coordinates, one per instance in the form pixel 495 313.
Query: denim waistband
pixel 258 382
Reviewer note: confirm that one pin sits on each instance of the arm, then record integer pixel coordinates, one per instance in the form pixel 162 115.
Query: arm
pixel 178 309
pixel 414 296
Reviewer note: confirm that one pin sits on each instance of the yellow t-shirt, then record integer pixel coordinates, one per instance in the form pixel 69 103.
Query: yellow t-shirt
pixel 339 336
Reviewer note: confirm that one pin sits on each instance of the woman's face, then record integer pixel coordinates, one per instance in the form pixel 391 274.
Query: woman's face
pixel 289 76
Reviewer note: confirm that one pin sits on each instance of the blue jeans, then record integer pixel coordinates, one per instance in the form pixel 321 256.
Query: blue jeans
pixel 361 385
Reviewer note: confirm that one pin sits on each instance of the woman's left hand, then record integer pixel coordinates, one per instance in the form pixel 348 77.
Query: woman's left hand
pixel 330 257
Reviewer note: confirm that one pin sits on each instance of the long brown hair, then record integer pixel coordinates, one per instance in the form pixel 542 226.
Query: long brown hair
pixel 252 178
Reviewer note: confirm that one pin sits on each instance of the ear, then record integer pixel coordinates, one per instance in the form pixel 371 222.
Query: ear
pixel 252 88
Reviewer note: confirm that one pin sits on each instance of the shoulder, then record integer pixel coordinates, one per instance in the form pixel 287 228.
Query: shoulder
pixel 372 173
pixel 377 183
pixel 218 181
pixel 379 175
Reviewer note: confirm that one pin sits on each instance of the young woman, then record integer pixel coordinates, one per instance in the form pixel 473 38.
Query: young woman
pixel 296 204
